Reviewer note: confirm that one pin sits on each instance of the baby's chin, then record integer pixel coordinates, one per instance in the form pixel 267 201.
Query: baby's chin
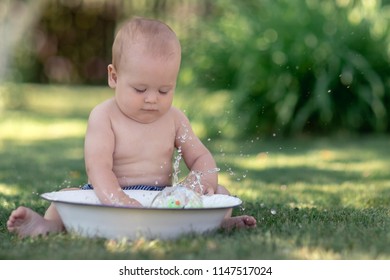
pixel 146 117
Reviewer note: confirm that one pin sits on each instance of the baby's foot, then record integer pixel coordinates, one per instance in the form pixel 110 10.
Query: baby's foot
pixel 26 222
pixel 239 222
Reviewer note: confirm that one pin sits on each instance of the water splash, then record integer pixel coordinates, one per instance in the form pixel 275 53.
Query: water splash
pixel 183 194
pixel 176 167
pixel 193 181
pixel 186 193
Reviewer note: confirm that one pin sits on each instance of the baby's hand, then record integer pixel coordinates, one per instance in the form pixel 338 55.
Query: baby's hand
pixel 198 182
pixel 208 190
pixel 135 203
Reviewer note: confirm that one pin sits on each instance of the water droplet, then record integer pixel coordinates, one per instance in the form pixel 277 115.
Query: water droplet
pixel 214 170
pixel 185 136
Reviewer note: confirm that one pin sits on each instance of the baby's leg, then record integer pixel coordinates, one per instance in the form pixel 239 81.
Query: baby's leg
pixel 26 222
pixel 230 222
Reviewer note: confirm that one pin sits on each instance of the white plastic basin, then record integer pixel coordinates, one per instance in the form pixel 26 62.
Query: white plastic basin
pixel 83 214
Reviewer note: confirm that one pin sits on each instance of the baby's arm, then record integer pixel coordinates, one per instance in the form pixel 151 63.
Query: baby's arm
pixel 195 154
pixel 99 148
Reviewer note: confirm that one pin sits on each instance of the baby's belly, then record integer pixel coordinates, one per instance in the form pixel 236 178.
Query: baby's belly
pixel 151 175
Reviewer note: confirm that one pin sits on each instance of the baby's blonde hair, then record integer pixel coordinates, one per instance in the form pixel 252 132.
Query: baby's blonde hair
pixel 159 38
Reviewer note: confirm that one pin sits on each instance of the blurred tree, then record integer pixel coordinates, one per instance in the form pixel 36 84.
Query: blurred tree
pixel 15 19
pixel 71 42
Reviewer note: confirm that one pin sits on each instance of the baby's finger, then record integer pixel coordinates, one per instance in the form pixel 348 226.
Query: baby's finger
pixel 209 191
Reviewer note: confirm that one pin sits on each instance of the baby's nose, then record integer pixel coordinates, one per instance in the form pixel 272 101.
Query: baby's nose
pixel 151 97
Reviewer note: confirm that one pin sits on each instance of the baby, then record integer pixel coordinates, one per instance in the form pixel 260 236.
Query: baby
pixel 131 138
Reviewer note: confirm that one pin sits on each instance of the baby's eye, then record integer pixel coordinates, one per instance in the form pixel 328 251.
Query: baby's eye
pixel 140 90
pixel 163 91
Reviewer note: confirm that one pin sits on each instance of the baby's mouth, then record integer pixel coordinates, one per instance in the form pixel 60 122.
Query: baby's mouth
pixel 149 109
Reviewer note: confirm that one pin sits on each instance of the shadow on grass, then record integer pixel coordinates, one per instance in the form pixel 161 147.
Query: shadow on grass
pixel 42 165
pixel 293 174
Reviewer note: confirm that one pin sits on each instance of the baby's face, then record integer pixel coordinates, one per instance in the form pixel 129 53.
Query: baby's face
pixel 145 84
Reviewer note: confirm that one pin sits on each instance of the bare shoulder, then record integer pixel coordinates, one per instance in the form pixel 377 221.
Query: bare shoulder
pixel 102 110
pixel 178 116
pixel 183 130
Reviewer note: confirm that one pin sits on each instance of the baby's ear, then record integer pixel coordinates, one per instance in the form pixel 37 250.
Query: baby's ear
pixel 112 77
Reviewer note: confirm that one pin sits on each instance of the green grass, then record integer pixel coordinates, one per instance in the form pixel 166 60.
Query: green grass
pixel 314 198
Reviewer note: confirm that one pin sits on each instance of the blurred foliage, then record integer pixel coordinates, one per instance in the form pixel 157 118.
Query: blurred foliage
pixel 293 66
pixel 285 67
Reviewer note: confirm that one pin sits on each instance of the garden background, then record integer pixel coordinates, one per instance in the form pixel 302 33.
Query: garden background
pixel 292 98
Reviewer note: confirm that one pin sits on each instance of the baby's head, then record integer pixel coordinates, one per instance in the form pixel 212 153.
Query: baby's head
pixel 146 60
pixel 155 38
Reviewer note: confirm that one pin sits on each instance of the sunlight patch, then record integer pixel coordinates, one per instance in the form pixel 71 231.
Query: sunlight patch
pixel 315 253
pixel 249 193
pixel 8 189
pixel 29 129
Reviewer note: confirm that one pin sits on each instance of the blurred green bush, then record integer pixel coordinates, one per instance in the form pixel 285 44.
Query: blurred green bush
pixel 297 66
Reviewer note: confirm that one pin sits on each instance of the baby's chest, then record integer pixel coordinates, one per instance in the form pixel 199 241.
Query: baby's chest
pixel 145 140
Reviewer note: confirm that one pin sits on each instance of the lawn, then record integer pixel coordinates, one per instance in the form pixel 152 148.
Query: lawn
pixel 313 197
